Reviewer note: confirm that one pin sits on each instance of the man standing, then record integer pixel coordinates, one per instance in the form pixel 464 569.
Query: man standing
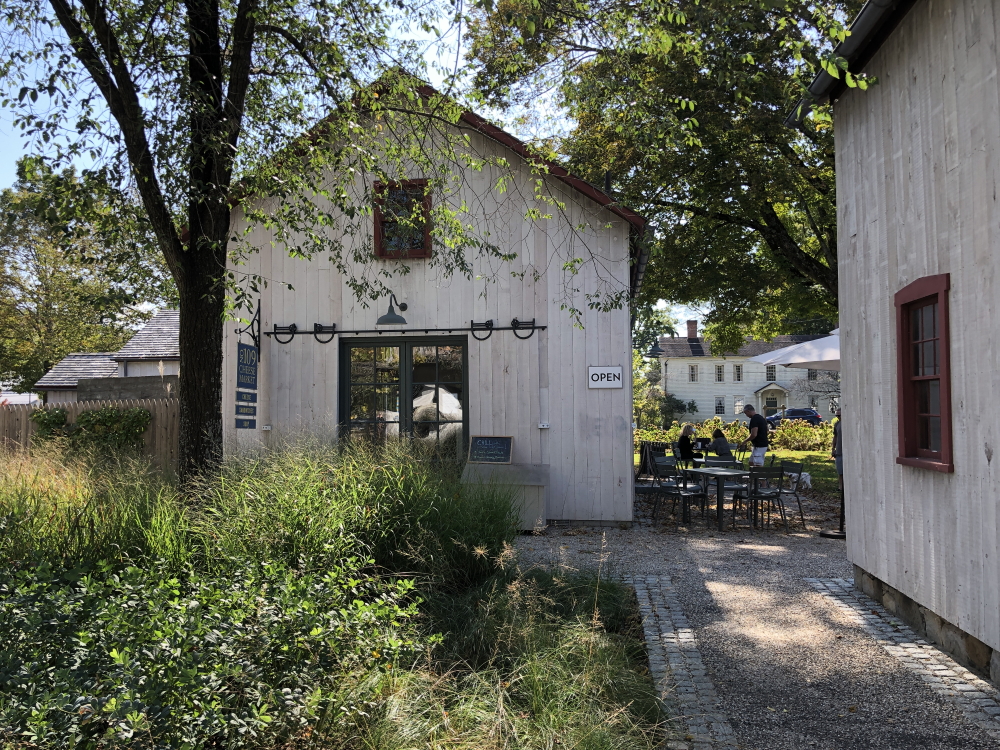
pixel 758 435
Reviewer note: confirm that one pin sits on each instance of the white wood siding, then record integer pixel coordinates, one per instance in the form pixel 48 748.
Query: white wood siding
pixel 513 384
pixel 917 161
pixel 676 381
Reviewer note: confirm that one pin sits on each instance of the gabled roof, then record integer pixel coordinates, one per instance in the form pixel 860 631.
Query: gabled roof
pixel 73 367
pixel 157 340
pixel 701 347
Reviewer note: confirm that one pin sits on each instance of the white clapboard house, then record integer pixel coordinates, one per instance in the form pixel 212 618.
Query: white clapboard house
pixel 439 373
pixel 720 385
pixel 919 264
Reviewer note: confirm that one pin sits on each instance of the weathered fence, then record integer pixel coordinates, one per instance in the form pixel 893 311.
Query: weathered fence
pixel 160 438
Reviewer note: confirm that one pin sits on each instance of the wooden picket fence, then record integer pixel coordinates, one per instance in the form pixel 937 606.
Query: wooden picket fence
pixel 160 438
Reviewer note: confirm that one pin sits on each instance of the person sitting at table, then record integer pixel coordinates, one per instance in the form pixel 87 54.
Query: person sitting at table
pixel 720 445
pixel 684 446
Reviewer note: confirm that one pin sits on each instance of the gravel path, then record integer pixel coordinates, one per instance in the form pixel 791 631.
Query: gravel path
pixel 791 658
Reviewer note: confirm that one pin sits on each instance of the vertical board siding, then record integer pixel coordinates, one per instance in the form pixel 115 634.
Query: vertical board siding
pixel 159 440
pixel 917 196
pixel 513 384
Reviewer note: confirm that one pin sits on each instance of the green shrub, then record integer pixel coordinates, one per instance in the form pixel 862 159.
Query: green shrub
pixel 144 658
pixel 799 435
pixel 106 428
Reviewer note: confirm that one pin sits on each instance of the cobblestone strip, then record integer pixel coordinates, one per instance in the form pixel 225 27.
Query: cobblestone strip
pixel 975 697
pixel 675 663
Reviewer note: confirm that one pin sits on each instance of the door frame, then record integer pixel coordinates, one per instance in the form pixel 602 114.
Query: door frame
pixel 405 376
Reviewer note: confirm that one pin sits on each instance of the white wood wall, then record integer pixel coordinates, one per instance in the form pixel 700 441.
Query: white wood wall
pixel 513 384
pixel 917 162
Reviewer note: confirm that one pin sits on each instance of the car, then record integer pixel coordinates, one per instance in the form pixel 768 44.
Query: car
pixel 811 416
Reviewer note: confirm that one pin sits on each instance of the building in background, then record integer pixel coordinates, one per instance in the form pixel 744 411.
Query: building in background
pixel 722 385
pixel 146 367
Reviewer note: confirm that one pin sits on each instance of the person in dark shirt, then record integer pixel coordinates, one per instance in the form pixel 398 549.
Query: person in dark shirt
pixel 758 435
pixel 720 444
pixel 684 446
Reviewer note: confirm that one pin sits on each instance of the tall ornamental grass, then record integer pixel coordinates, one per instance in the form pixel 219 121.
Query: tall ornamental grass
pixel 344 598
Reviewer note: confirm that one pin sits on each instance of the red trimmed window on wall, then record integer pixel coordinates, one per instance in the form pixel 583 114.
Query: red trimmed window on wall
pixel 402 220
pixel 924 374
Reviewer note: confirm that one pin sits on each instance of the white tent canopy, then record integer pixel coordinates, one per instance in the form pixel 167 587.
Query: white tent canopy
pixel 820 354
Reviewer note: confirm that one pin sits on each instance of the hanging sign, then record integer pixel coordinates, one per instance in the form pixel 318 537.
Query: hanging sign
pixel 246 424
pixel 246 366
pixel 486 449
pixel 605 377
pixel 249 398
pixel 243 410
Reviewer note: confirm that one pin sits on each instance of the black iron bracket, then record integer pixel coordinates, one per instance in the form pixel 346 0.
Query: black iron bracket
pixel 289 330
pixel 253 327
pixel 487 326
pixel 529 326
pixel 319 330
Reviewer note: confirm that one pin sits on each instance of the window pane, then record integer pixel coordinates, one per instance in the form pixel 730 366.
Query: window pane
pixel 929 321
pixel 362 402
pixel 915 327
pixel 402 220
pixel 929 429
pixel 424 364
pixel 937 358
pixel 425 407
pixel 387 364
pixel 362 369
pixel 450 364
pixel 387 403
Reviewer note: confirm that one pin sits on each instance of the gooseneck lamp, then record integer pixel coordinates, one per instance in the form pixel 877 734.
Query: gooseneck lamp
pixel 391 318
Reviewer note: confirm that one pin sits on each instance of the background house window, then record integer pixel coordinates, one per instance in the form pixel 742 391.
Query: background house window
pixel 738 404
pixel 692 373
pixel 720 373
pixel 923 374
pixel 402 220
pixel 814 402
pixel 771 373
pixel 737 373
pixel 812 374
pixel 720 404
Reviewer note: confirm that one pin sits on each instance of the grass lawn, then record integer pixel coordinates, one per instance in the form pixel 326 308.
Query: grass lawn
pixel 816 463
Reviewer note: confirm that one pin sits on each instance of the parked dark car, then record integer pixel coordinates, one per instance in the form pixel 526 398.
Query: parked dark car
pixel 807 415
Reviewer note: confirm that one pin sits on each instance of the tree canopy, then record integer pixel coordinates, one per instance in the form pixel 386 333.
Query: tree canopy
pixel 681 107
pixel 73 271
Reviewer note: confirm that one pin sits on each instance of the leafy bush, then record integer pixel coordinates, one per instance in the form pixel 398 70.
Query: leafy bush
pixel 799 435
pixel 734 431
pixel 107 428
pixel 144 658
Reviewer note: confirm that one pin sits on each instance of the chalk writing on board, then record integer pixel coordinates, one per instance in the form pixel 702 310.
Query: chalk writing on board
pixel 489 449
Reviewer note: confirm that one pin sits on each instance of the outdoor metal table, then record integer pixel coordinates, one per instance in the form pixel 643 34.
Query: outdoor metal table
pixel 720 475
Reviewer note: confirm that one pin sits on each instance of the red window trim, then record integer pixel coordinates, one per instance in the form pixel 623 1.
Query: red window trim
pixel 378 200
pixel 926 289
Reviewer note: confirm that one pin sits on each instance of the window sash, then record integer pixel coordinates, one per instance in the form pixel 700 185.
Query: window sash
pixel 692 373
pixel 923 374
pixel 385 217
pixel 771 373
pixel 737 373
pixel 720 373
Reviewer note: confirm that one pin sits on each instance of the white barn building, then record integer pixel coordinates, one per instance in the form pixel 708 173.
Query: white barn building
pixel 720 385
pixel 919 265
pixel 441 373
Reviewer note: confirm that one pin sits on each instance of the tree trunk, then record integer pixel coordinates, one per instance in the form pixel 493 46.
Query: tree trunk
pixel 201 320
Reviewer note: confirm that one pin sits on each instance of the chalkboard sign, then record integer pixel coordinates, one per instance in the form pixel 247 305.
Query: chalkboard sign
pixel 246 366
pixel 485 449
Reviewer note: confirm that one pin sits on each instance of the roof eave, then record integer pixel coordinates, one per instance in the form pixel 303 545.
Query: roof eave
pixel 869 31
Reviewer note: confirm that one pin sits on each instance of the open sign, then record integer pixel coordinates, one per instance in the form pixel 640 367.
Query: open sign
pixel 605 377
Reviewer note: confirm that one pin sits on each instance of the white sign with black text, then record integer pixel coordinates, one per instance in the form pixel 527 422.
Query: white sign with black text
pixel 605 377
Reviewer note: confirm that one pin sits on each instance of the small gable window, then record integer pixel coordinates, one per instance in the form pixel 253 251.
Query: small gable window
pixel 924 374
pixel 402 220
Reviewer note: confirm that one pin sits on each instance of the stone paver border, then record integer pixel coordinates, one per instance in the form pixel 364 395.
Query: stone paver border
pixel 676 666
pixel 975 697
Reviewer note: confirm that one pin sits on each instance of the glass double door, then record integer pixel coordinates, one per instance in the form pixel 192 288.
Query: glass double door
pixel 413 387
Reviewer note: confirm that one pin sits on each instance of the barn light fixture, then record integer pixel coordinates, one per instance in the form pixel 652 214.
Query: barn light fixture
pixel 655 352
pixel 391 318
